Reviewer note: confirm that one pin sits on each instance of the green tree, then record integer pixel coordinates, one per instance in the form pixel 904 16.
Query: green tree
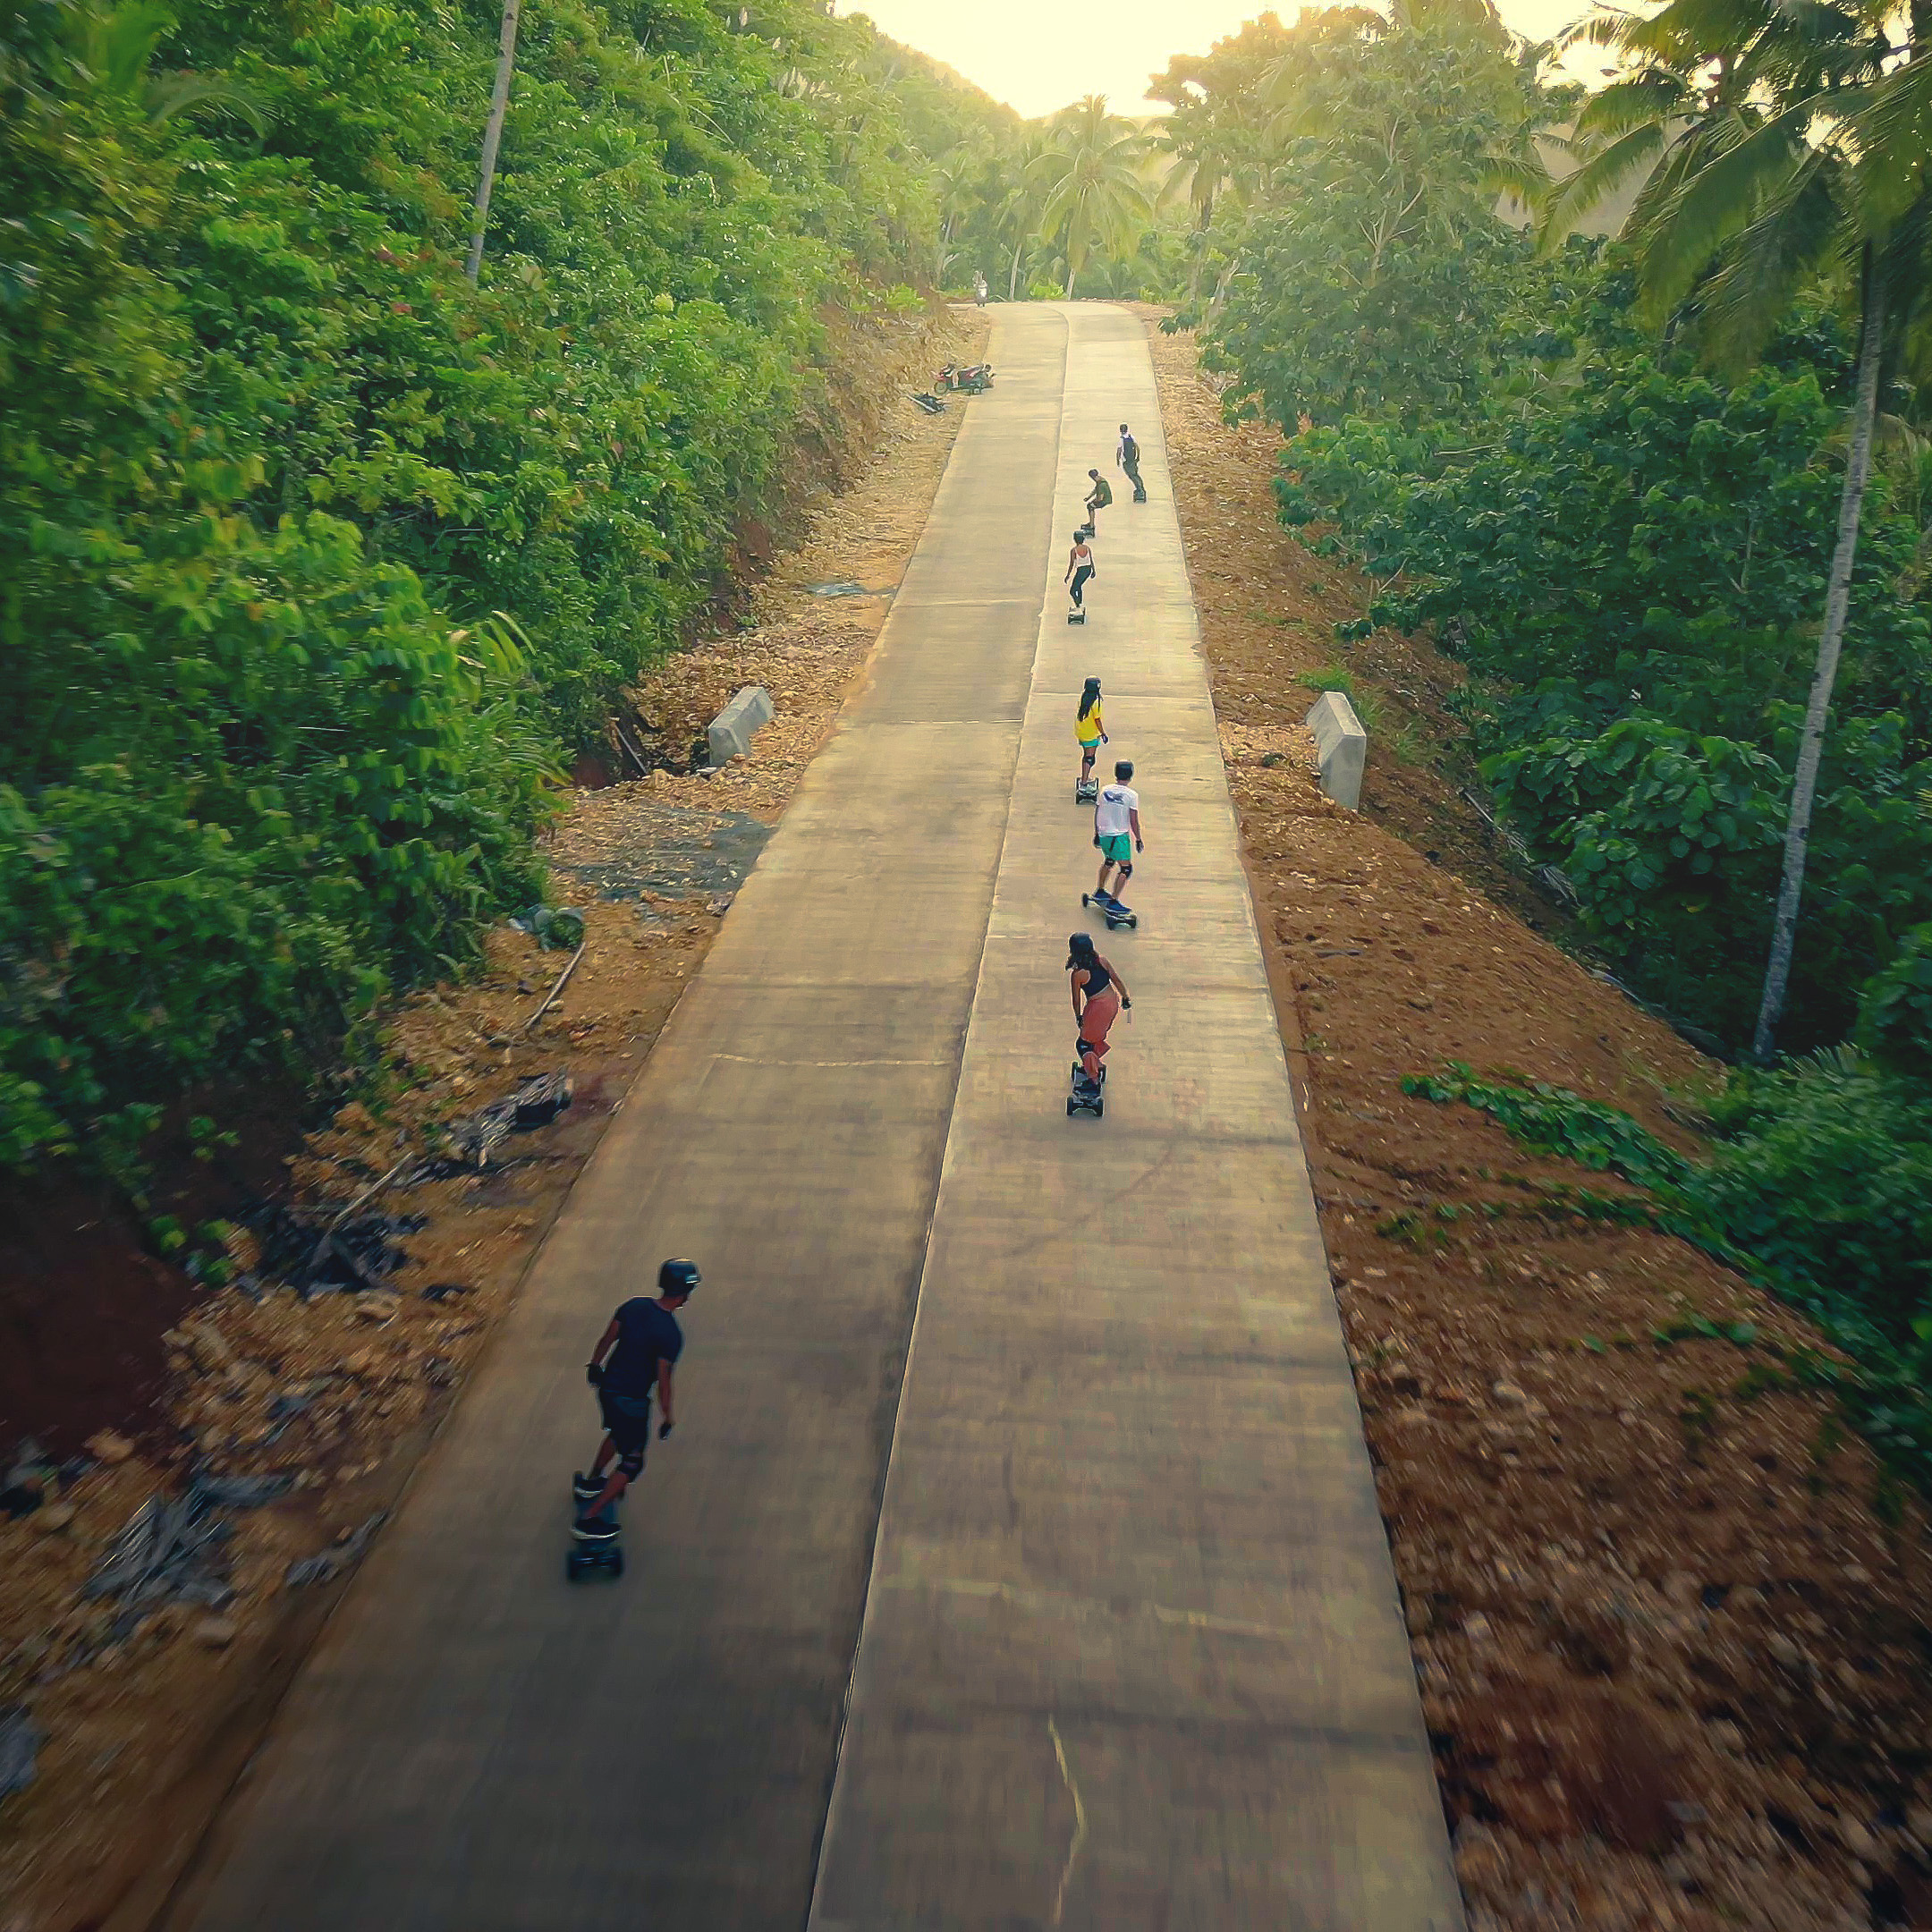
pixel 270 463
pixel 1373 281
pixel 1093 194
pixel 1829 175
pixel 1216 133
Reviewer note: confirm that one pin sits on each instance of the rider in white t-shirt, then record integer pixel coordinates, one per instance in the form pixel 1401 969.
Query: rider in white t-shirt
pixel 1116 829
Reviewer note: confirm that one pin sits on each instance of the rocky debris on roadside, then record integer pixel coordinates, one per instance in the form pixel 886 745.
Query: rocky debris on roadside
pixel 560 928
pixel 653 851
pixel 21 1739
pixel 174 1549
pixel 474 1139
pixel 29 1483
pixel 325 1247
pixel 326 1565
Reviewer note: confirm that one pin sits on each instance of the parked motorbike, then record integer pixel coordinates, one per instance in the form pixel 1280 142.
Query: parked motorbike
pixel 975 379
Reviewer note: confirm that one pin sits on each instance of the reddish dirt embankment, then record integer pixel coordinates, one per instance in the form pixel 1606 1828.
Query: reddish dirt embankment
pixel 1673 1661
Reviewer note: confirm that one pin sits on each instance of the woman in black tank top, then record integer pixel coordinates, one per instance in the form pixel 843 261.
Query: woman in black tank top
pixel 1099 995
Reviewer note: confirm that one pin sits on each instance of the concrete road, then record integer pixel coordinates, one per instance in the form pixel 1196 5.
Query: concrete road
pixel 1128 1653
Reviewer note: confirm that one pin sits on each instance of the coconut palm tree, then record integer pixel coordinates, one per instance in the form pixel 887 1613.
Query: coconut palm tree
pixel 1699 78
pixel 956 182
pixel 1093 192
pixel 1784 144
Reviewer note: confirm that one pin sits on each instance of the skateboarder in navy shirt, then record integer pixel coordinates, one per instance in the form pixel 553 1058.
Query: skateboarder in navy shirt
pixel 1128 457
pixel 643 1344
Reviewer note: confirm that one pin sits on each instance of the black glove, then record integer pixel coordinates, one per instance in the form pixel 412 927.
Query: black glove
pixel 664 1429
pixel 594 1374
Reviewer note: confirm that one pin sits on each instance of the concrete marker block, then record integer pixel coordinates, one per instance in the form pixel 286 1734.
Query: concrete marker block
pixel 730 732
pixel 1342 745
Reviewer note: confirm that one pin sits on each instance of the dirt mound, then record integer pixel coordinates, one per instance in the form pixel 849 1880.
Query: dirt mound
pixel 1672 1658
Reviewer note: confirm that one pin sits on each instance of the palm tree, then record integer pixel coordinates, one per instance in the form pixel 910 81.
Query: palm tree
pixel 955 176
pixel 1020 211
pixel 1786 144
pixel 1215 134
pixel 1700 77
pixel 1090 170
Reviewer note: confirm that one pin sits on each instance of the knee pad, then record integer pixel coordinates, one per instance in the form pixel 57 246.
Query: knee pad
pixel 1125 868
pixel 631 1466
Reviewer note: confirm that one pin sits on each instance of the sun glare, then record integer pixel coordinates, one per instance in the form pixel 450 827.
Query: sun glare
pixel 1037 58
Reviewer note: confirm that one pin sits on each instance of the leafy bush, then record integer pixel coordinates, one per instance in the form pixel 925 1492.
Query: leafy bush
pixel 1895 1013
pixel 1375 285
pixel 1824 1171
pixel 1632 566
pixel 1819 1186
pixel 269 467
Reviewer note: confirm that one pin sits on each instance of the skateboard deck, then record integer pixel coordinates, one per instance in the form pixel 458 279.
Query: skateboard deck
pixel 1115 914
pixel 1087 1097
pixel 593 1552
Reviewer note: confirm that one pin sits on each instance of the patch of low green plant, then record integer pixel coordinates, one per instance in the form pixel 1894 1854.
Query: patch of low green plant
pixel 1818 1188
pixel 1366 702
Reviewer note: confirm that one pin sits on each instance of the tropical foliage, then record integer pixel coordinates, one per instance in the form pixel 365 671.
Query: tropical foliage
pixel 313 557
pixel 1667 493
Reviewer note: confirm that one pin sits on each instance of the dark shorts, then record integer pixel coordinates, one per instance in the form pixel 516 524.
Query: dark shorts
pixel 628 1419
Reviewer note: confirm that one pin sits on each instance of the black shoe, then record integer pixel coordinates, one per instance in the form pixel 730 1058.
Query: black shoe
pixel 583 1487
pixel 594 1529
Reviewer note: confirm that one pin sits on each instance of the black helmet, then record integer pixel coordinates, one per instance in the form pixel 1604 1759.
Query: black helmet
pixel 678 1277
pixel 1123 769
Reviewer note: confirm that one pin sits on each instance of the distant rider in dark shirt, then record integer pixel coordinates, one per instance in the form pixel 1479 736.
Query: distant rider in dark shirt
pixel 643 1344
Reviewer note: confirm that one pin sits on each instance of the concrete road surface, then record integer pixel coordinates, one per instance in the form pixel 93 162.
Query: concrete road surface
pixel 1122 1649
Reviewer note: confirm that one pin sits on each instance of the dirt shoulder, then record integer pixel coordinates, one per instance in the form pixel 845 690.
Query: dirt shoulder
pixel 142 1690
pixel 1673 1659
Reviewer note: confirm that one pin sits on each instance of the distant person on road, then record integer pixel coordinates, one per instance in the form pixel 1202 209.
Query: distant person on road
pixel 1080 569
pixel 980 288
pixel 1089 728
pixel 1116 831
pixel 1098 497
pixel 643 1344
pixel 1099 995
pixel 1128 457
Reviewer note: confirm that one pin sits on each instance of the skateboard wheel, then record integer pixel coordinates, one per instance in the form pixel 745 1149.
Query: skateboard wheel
pixel 1099 1107
pixel 1070 1109
pixel 617 1563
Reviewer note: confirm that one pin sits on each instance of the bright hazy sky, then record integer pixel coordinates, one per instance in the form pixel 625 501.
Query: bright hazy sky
pixel 1037 55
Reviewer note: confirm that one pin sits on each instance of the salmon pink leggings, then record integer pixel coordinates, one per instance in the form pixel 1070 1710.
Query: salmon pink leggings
pixel 1101 1012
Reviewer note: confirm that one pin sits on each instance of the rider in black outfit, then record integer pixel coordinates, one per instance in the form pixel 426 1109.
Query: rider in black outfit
pixel 648 1343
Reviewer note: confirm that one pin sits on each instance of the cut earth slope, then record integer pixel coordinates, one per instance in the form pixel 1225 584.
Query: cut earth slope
pixel 1667 1616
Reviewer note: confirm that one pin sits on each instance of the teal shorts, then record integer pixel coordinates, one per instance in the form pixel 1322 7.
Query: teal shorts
pixel 1117 848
